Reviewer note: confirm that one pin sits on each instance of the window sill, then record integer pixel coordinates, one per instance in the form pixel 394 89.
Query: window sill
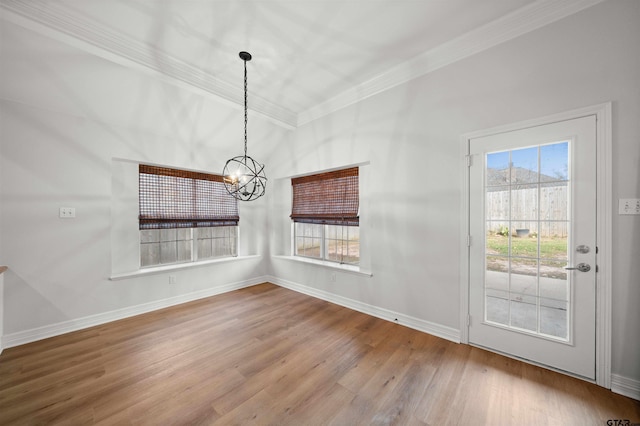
pixel 352 269
pixel 177 266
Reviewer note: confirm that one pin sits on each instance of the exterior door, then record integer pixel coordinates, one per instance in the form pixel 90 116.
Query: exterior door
pixel 532 290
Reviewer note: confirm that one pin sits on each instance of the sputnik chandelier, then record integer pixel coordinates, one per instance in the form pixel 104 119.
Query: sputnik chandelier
pixel 244 177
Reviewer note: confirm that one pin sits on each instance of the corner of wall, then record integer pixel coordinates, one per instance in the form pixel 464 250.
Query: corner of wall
pixel 625 386
pixel 2 269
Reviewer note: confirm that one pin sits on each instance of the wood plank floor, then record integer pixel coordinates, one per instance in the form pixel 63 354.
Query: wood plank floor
pixel 270 356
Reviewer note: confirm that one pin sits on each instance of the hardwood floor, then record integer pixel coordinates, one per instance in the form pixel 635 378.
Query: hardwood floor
pixel 267 355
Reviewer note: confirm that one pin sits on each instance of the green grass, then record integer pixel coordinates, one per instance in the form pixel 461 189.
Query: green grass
pixel 550 248
pixel 553 254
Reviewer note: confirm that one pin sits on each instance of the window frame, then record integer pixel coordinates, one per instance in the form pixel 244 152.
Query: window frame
pixel 325 199
pixel 184 211
pixel 323 238
pixel 194 251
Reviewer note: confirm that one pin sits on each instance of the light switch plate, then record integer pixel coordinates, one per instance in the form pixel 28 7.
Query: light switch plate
pixel 67 212
pixel 629 206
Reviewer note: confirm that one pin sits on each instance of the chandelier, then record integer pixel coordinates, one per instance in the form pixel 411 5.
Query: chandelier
pixel 243 176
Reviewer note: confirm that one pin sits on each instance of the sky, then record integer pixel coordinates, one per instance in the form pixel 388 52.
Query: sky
pixel 554 159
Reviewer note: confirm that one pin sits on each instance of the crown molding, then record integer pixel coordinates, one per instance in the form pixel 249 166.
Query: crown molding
pixel 52 20
pixel 522 21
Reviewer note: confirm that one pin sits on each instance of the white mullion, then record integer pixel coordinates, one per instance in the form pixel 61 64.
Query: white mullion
pixel 194 244
pixel 538 214
pixel 323 245
pixel 236 242
pixel 346 241
pixel 345 229
pixel 509 239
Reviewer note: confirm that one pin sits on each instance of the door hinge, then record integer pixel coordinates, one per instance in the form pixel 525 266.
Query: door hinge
pixel 468 240
pixel 468 157
pixel 468 320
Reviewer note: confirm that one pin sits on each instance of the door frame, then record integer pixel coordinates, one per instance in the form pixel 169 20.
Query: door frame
pixel 604 217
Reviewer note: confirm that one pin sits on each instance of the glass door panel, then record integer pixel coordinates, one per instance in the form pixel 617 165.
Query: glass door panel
pixel 526 245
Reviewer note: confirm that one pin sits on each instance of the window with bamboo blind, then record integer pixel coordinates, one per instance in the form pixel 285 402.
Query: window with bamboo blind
pixel 325 215
pixel 172 198
pixel 184 216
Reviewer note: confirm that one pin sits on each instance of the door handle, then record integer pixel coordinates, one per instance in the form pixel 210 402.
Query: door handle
pixel 582 267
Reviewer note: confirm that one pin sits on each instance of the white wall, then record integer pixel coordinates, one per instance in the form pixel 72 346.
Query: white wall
pixel 411 137
pixel 1 260
pixel 1 310
pixel 67 117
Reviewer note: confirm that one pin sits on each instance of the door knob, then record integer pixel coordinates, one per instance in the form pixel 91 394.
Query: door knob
pixel 582 267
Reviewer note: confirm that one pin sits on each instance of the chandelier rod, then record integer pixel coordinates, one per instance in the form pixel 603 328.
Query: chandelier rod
pixel 245 103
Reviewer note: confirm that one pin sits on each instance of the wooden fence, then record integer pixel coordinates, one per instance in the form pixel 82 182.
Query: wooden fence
pixel 524 206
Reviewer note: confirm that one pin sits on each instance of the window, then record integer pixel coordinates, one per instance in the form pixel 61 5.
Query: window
pixel 184 217
pixel 325 216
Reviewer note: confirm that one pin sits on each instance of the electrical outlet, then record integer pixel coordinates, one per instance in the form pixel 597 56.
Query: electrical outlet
pixel 67 212
pixel 629 206
pixel 172 279
pixel 333 277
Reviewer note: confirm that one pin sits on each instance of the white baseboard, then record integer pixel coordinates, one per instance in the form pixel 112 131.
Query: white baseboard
pixel 28 336
pixel 438 330
pixel 625 386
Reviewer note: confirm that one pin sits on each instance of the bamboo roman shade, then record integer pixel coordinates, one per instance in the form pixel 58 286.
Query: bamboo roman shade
pixel 327 198
pixel 171 198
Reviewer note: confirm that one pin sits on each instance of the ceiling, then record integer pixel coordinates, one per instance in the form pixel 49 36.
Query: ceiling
pixel 310 57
